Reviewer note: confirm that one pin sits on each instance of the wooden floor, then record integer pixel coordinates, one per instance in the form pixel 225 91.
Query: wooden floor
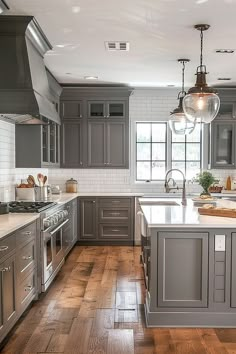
pixel 95 305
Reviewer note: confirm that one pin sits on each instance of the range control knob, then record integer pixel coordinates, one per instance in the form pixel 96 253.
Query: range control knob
pixel 65 212
pixel 47 223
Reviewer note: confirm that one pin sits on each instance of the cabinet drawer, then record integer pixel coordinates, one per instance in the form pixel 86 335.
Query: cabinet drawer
pixel 27 289
pixel 7 245
pixel 114 202
pixel 107 214
pixel 114 231
pixel 26 234
pixel 26 259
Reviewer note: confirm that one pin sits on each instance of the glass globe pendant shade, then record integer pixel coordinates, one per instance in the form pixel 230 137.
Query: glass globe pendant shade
pixel 202 107
pixel 178 122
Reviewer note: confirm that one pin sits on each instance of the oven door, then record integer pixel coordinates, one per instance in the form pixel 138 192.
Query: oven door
pixel 53 253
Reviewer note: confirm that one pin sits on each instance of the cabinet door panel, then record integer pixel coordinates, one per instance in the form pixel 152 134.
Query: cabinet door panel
pixel 88 219
pixel 182 269
pixel 72 109
pixel 116 109
pixel 7 272
pixel 223 154
pixel 233 271
pixel 72 144
pixel 114 231
pixel 96 144
pixel 116 144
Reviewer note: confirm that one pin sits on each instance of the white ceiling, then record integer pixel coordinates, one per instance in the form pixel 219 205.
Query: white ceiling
pixel 159 32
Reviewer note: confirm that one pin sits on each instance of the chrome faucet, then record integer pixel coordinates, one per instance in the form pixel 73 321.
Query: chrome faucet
pixel 168 188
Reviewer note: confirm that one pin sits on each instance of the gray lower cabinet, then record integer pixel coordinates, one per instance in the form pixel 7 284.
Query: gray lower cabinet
pixel 18 286
pixel 88 219
pixel 233 270
pixel 69 234
pixel 106 220
pixel 182 269
pixel 71 144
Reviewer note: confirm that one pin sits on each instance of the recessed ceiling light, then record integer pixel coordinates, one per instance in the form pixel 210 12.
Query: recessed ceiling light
pixel 170 85
pixel 90 77
pixel 224 78
pixel 61 45
pixel 225 51
pixel 75 9
pixel 68 73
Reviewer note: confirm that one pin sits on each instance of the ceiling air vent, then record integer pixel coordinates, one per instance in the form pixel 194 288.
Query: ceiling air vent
pixel 117 46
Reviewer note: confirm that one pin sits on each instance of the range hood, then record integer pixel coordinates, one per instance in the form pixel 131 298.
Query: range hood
pixel 25 95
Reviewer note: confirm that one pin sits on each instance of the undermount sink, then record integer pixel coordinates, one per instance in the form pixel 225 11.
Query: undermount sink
pixel 159 202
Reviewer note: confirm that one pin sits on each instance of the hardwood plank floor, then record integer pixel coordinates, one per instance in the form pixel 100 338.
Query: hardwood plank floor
pixel 95 306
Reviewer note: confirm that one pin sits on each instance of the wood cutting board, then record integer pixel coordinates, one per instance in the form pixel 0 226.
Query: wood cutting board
pixel 227 213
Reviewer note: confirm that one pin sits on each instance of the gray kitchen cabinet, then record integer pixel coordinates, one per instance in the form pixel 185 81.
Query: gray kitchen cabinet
pixel 69 234
pixel 88 219
pixel 107 144
pixel 182 269
pixel 37 145
pixel 71 109
pixel 233 270
pixel 71 144
pixel 107 221
pixel 223 144
pixel 102 138
pixel 97 147
pixel 8 291
pixel 107 109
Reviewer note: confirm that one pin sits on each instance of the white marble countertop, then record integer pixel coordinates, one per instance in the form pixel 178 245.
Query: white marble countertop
pixel 14 221
pixel 159 216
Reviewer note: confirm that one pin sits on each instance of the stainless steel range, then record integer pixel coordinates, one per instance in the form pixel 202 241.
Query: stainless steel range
pixel 53 218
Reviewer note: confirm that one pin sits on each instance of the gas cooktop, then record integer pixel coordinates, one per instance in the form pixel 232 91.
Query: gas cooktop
pixel 29 207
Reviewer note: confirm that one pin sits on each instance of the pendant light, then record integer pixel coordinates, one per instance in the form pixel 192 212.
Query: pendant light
pixel 178 122
pixel 202 102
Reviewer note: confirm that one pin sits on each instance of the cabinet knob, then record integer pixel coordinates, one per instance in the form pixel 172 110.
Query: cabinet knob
pixel 81 163
pixel 94 201
pixel 3 248
pixel 80 116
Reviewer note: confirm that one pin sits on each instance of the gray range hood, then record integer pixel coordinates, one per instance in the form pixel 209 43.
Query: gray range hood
pixel 25 95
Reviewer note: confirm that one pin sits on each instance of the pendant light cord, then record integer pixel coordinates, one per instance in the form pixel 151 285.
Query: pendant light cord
pixel 183 69
pixel 201 36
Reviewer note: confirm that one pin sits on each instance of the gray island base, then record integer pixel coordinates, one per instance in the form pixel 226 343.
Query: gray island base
pixel 190 269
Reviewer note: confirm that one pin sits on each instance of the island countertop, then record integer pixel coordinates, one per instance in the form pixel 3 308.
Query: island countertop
pixel 172 216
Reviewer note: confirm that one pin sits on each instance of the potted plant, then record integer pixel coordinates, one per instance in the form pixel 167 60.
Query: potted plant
pixel 206 179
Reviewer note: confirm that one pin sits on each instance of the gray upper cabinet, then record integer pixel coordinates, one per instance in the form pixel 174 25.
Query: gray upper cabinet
pixel 72 109
pixel 71 144
pixel 223 144
pixel 182 269
pixel 97 147
pixel 37 145
pixel 102 138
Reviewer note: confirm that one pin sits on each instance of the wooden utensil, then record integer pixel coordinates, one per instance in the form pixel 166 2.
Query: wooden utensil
pixel 45 180
pixel 40 179
pixel 31 180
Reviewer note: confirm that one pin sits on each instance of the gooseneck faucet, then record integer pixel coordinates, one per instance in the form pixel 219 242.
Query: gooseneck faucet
pixel 168 188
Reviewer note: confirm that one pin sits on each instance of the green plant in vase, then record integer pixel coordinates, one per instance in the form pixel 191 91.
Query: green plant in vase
pixel 206 179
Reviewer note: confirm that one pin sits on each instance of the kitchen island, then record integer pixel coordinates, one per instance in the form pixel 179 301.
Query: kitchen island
pixel 190 265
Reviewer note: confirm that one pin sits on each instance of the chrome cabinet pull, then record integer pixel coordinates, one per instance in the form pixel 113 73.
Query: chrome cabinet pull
pixel 3 248
pixel 28 288
pixel 5 269
pixel 26 257
pixel 28 233
pixel 115 230
pixel 115 201
pixel 116 214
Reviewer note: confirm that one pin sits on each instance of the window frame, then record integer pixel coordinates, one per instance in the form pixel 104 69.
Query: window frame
pixel 168 150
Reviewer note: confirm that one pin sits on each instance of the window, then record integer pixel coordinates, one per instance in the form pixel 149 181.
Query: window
pixel 157 151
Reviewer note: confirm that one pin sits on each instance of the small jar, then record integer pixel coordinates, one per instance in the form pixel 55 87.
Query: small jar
pixel 71 186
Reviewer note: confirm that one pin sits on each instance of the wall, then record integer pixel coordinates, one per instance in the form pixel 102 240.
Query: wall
pixel 145 104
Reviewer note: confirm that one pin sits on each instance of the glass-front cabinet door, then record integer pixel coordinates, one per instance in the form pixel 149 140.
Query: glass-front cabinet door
pixel 116 109
pixel 223 150
pixel 97 109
